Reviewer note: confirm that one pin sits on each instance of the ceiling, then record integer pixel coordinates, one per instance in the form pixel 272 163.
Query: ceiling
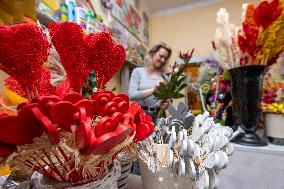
pixel 159 6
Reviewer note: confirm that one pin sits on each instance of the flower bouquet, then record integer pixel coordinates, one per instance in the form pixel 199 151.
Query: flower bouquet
pixel 68 139
pixel 175 84
pixel 247 51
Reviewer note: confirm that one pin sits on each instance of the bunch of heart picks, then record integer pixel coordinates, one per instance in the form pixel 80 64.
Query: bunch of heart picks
pixel 194 148
pixel 57 132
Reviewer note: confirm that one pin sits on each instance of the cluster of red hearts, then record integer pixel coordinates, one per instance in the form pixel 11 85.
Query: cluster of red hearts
pixel 98 126
pixel 57 132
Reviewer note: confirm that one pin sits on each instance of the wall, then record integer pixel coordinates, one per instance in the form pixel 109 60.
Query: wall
pixel 192 28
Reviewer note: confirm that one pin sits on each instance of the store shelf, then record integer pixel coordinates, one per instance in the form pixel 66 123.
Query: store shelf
pixel 44 18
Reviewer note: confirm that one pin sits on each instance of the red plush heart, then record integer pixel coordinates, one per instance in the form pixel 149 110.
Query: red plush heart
pixel 23 50
pixel 20 129
pixel 108 58
pixel 109 140
pixel 63 114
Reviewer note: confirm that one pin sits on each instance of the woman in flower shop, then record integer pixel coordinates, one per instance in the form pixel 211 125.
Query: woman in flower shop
pixel 145 80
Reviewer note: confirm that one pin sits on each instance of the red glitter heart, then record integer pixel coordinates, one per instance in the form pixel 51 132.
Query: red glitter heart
pixel 23 50
pixel 108 57
pixel 68 39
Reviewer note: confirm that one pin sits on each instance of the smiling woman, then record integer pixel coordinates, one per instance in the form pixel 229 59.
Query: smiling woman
pixel 145 81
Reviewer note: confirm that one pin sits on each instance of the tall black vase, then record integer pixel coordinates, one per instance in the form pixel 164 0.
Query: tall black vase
pixel 246 83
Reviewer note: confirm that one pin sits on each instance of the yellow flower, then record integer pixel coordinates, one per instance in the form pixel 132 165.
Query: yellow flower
pixel 271 40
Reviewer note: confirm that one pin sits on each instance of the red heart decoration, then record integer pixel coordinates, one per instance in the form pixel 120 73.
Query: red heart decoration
pixel 88 149
pixel 46 123
pixel 109 140
pixel 108 124
pixel 23 50
pixel 83 133
pixel 62 114
pixel 72 97
pixel 88 105
pixel 100 100
pixel 45 103
pixel 68 39
pixel 6 149
pixel 144 125
pixel 20 129
pixel 105 125
pixel 108 58
pixel 3 115
pixel 123 107
pixel 123 102
pixel 110 108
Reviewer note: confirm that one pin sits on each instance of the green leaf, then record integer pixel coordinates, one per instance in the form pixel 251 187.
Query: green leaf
pixel 158 95
pixel 181 80
pixel 178 95
pixel 181 87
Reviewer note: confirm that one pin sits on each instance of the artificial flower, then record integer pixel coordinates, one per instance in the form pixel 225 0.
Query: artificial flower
pixel 266 13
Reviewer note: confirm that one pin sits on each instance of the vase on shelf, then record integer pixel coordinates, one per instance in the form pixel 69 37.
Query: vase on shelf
pixel 246 84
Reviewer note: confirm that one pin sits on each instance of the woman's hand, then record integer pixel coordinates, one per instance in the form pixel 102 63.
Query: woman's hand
pixel 157 86
pixel 164 105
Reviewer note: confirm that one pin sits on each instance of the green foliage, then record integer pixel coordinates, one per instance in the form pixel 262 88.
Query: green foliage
pixel 177 82
pixel 89 85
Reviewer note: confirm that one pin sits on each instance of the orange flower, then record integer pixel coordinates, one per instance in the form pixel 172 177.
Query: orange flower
pixel 266 13
pixel 249 14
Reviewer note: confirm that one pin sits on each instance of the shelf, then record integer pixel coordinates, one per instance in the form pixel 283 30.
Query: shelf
pixel 44 18
pixel 131 32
